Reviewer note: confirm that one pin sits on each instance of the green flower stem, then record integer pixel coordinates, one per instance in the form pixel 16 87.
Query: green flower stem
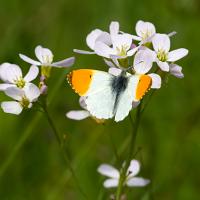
pixel 131 150
pixel 62 147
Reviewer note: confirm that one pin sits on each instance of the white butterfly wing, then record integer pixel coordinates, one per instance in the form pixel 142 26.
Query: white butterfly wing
pixel 126 99
pixel 100 98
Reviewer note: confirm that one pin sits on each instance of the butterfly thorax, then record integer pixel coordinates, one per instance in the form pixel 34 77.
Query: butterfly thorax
pixel 119 83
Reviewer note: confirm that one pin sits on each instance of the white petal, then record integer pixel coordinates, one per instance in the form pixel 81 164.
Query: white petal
pixel 164 66
pixel 115 60
pixel 44 55
pixel 134 168
pixel 32 74
pixel 140 27
pixel 161 42
pixel 114 28
pixel 11 107
pixel 3 74
pixel 110 183
pixel 144 28
pixel 91 38
pixel 12 73
pixel 137 182
pixel 143 61
pixel 78 114
pixel 177 54
pixel 147 40
pixel 176 70
pixel 172 33
pixel 132 51
pixel 4 86
pixel 102 49
pixel 105 38
pixel 122 40
pixel 114 71
pixel 64 63
pixel 108 170
pixel 156 80
pixel 83 51
pixel 32 92
pixel 29 60
pixel 82 102
pixel 134 37
pixel 109 63
pixel 14 93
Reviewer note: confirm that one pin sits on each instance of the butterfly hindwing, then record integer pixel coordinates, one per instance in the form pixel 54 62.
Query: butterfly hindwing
pixel 136 88
pixel 126 98
pixel 101 104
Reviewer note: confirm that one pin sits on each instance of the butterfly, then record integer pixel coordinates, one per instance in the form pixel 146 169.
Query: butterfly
pixel 106 95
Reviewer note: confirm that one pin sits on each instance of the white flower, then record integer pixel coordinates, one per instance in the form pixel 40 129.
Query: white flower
pixel 120 48
pixel 79 114
pixel 143 62
pixel 99 35
pixel 23 98
pixel 114 175
pixel 145 31
pixel 45 58
pixel 161 45
pixel 12 76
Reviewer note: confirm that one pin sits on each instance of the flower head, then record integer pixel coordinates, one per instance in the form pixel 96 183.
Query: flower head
pixel 114 175
pixel 45 58
pixel 12 76
pixel 161 45
pixel 23 98
pixel 145 31
pixel 98 35
pixel 120 47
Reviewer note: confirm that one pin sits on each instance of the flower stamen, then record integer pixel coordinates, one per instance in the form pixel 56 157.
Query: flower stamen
pixel 20 83
pixel 162 55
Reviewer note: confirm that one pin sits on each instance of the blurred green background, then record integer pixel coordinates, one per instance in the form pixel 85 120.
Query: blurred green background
pixel 31 164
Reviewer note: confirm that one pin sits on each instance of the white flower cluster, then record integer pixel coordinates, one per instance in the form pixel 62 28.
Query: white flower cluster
pixel 20 88
pixel 147 52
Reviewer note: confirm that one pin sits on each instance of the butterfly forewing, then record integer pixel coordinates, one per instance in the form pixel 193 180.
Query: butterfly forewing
pixel 96 86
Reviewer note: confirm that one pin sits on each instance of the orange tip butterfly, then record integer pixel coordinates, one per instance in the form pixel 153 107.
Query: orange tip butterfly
pixel 106 95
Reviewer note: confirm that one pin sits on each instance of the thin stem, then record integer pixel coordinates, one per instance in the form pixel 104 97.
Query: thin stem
pixel 148 100
pixel 114 147
pixel 63 148
pixel 131 150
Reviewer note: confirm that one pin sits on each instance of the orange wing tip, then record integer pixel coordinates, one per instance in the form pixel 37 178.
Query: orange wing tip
pixel 144 85
pixel 80 80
